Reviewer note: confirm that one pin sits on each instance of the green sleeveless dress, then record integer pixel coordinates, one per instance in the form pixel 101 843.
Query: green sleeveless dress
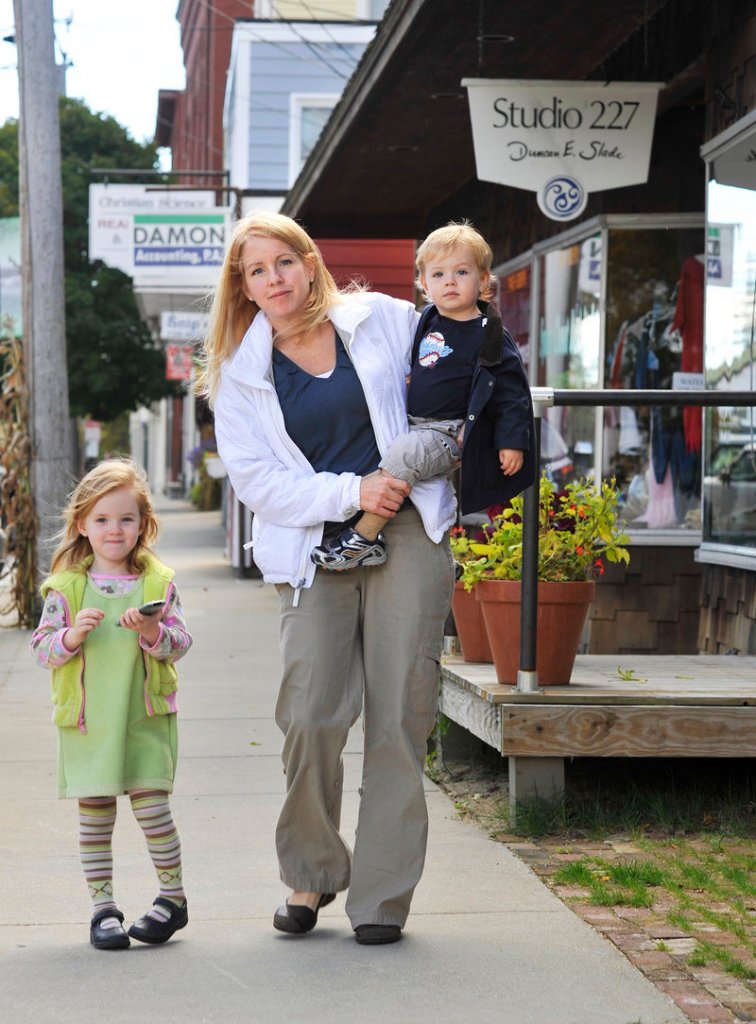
pixel 123 748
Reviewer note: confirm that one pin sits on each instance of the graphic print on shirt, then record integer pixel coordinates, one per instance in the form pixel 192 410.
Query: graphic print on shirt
pixel 432 348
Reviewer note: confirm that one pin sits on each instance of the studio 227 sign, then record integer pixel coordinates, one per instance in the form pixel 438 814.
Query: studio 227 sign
pixel 562 140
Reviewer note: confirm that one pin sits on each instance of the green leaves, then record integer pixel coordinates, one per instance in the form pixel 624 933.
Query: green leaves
pixel 578 532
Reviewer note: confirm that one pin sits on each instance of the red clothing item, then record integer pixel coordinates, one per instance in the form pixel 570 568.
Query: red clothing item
pixel 689 322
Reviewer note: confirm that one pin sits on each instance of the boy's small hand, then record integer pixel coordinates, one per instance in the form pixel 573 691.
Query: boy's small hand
pixel 148 626
pixel 510 460
pixel 86 620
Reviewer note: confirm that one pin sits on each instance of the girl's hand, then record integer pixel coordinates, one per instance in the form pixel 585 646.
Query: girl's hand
pixel 510 460
pixel 382 494
pixel 86 620
pixel 148 626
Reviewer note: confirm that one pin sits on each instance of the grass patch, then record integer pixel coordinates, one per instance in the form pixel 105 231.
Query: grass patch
pixel 648 796
pixel 706 952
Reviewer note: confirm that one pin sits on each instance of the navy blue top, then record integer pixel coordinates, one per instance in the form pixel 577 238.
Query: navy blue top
pixel 327 418
pixel 441 376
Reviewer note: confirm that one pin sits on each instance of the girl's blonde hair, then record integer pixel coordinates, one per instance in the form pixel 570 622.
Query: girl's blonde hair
pixel 441 241
pixel 232 312
pixel 107 476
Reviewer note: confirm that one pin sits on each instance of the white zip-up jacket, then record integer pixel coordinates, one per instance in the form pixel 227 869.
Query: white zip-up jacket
pixel 290 501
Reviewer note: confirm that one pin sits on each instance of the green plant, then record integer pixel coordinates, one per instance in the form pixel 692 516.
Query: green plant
pixel 578 531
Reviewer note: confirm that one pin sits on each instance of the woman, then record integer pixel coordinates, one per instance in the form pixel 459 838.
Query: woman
pixel 308 387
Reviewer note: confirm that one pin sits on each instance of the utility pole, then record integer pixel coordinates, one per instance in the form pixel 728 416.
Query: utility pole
pixel 42 276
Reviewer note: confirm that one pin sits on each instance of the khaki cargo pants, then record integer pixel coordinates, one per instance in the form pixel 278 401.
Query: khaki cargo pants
pixel 367 638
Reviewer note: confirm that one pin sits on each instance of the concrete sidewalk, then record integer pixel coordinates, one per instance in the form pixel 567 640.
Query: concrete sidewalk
pixel 486 940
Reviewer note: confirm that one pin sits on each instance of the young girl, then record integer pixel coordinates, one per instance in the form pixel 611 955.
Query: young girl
pixel 114 688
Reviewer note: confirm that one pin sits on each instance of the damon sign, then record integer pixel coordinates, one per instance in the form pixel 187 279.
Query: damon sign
pixel 169 238
pixel 562 140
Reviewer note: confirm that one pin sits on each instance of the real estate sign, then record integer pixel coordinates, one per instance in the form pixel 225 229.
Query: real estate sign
pixel 562 140
pixel 160 236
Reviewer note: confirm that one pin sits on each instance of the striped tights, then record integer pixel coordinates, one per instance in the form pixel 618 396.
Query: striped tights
pixel 152 811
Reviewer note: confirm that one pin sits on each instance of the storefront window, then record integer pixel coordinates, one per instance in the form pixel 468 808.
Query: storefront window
pixel 654 340
pixel 569 343
pixel 730 441
pixel 514 303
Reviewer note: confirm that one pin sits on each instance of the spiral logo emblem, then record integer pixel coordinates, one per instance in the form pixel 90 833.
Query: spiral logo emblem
pixel 562 198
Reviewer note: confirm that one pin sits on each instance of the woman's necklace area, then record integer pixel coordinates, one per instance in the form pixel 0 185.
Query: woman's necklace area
pixel 313 351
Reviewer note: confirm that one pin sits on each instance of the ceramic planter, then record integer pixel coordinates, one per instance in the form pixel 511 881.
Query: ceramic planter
pixel 471 629
pixel 562 611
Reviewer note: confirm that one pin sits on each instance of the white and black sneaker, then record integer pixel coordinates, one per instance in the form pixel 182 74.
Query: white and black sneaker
pixel 348 550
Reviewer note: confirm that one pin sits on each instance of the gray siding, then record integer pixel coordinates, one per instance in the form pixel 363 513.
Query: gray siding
pixel 277 70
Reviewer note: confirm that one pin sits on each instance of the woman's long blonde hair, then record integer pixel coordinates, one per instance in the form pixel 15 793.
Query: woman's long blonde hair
pixel 232 312
pixel 107 476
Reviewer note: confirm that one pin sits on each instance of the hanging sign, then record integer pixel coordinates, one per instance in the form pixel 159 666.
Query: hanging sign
pixel 183 326
pixel 562 140
pixel 168 238
pixel 178 362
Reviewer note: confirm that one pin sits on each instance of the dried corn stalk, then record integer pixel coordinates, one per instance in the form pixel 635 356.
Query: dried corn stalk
pixel 18 521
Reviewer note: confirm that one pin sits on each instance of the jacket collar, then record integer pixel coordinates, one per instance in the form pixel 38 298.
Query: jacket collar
pixel 251 362
pixel 490 348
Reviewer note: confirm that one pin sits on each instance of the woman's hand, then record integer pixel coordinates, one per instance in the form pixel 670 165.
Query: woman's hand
pixel 148 626
pixel 86 620
pixel 382 494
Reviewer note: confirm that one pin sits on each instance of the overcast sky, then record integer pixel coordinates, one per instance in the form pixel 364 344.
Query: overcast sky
pixel 121 52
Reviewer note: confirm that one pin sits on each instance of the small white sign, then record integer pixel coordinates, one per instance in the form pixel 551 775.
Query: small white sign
pixel 184 326
pixel 687 381
pixel 562 140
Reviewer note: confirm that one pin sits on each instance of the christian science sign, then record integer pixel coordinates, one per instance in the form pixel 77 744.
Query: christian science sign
pixel 562 140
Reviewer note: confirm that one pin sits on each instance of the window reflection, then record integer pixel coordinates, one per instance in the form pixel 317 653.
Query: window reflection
pixel 569 343
pixel 730 445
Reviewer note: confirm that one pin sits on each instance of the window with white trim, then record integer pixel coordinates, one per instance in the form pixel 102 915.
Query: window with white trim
pixel 309 114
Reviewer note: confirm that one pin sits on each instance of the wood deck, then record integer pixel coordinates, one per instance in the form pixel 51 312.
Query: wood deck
pixel 674 706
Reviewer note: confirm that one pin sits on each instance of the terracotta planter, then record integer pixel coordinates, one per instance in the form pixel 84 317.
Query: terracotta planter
pixel 562 611
pixel 471 629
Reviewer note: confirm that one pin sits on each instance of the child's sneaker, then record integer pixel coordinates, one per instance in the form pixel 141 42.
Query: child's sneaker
pixel 348 550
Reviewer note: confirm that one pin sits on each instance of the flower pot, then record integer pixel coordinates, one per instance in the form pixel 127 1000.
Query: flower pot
pixel 562 611
pixel 471 629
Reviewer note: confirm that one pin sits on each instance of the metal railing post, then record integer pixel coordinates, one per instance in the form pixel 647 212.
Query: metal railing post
pixel 527 676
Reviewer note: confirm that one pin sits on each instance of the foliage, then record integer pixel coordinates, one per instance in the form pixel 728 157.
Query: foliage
pixel 17 516
pixel 113 363
pixel 578 531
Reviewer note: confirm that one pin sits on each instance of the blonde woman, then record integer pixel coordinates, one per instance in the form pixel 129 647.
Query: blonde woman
pixel 308 389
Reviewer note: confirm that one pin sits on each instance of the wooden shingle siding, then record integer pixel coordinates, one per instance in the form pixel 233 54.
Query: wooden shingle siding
pixel 728 611
pixel 648 607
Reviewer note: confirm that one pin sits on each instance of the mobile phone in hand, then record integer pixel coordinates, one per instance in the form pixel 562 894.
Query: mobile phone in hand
pixel 151 608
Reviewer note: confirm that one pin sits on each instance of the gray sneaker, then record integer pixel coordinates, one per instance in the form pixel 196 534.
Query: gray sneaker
pixel 348 550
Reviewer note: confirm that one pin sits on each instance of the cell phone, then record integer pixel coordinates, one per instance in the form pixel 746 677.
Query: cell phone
pixel 151 607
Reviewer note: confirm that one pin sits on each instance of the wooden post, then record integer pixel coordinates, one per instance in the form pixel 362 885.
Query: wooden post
pixel 43 290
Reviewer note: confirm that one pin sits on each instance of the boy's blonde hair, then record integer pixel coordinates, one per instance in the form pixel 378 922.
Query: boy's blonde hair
pixel 441 241
pixel 107 476
pixel 232 312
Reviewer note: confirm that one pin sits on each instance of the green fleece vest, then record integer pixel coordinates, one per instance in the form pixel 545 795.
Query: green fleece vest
pixel 68 680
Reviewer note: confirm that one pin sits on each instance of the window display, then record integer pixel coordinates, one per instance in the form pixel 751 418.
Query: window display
pixel 654 329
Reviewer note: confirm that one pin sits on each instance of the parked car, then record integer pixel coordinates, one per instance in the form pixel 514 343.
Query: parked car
pixel 730 496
